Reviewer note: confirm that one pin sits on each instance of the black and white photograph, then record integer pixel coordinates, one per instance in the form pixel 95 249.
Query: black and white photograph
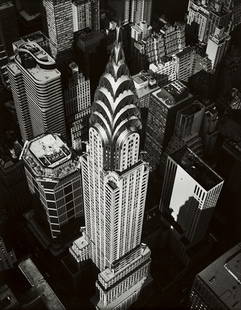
pixel 120 154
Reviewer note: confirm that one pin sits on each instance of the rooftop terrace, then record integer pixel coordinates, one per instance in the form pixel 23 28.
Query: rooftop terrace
pixel 48 156
pixel 197 168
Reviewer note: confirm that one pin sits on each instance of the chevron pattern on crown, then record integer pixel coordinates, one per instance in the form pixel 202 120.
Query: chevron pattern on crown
pixel 114 110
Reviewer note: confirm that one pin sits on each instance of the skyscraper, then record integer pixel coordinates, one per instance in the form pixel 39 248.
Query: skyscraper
pixel 190 193
pixel 140 11
pixel 77 104
pixel 115 185
pixel 218 285
pixel 53 176
pixel 60 25
pixel 37 91
pixel 95 14
pixel 82 14
pixel 164 105
pixel 187 129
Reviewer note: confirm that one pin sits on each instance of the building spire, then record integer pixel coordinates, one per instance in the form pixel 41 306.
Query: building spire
pixel 114 111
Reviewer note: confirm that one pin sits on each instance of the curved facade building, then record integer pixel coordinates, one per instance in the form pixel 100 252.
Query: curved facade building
pixel 115 185
pixel 37 91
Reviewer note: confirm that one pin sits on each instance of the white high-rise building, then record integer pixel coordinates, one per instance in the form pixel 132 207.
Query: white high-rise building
pixel 37 91
pixel 115 183
pixel 190 193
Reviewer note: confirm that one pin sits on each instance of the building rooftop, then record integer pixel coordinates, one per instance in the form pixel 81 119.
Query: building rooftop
pixel 49 156
pixel 144 84
pixel 50 150
pixel 223 277
pixel 233 147
pixel 6 5
pixel 13 67
pixel 125 261
pixel 36 279
pixel 172 94
pixel 36 61
pixel 195 107
pixel 197 168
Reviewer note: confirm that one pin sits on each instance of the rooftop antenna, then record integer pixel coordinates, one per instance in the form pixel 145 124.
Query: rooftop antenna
pixel 118 29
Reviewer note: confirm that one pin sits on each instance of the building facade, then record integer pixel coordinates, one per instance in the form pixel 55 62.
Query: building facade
pixel 204 16
pixel 164 105
pixel 37 91
pixel 168 42
pixel 53 175
pixel 82 15
pixel 217 46
pixel 115 185
pixel 140 11
pixel 190 193
pixel 77 105
pixel 60 25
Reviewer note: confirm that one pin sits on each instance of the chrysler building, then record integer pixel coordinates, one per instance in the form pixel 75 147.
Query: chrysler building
pixel 115 183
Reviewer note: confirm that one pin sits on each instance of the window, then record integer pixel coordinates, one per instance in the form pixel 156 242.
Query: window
pixel 70 206
pixel 52 212
pixel 50 196
pixel 55 226
pixel 69 197
pixel 51 204
pixel 54 220
pixel 68 189
pixel 70 213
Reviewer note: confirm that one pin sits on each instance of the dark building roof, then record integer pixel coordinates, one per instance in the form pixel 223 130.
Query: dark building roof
pixel 197 168
pixel 223 277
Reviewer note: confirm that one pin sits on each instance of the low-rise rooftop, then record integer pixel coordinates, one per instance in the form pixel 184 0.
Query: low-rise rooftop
pixel 35 278
pixel 197 168
pixel 223 277
pixel 144 84
pixel 172 94
pixel 233 147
